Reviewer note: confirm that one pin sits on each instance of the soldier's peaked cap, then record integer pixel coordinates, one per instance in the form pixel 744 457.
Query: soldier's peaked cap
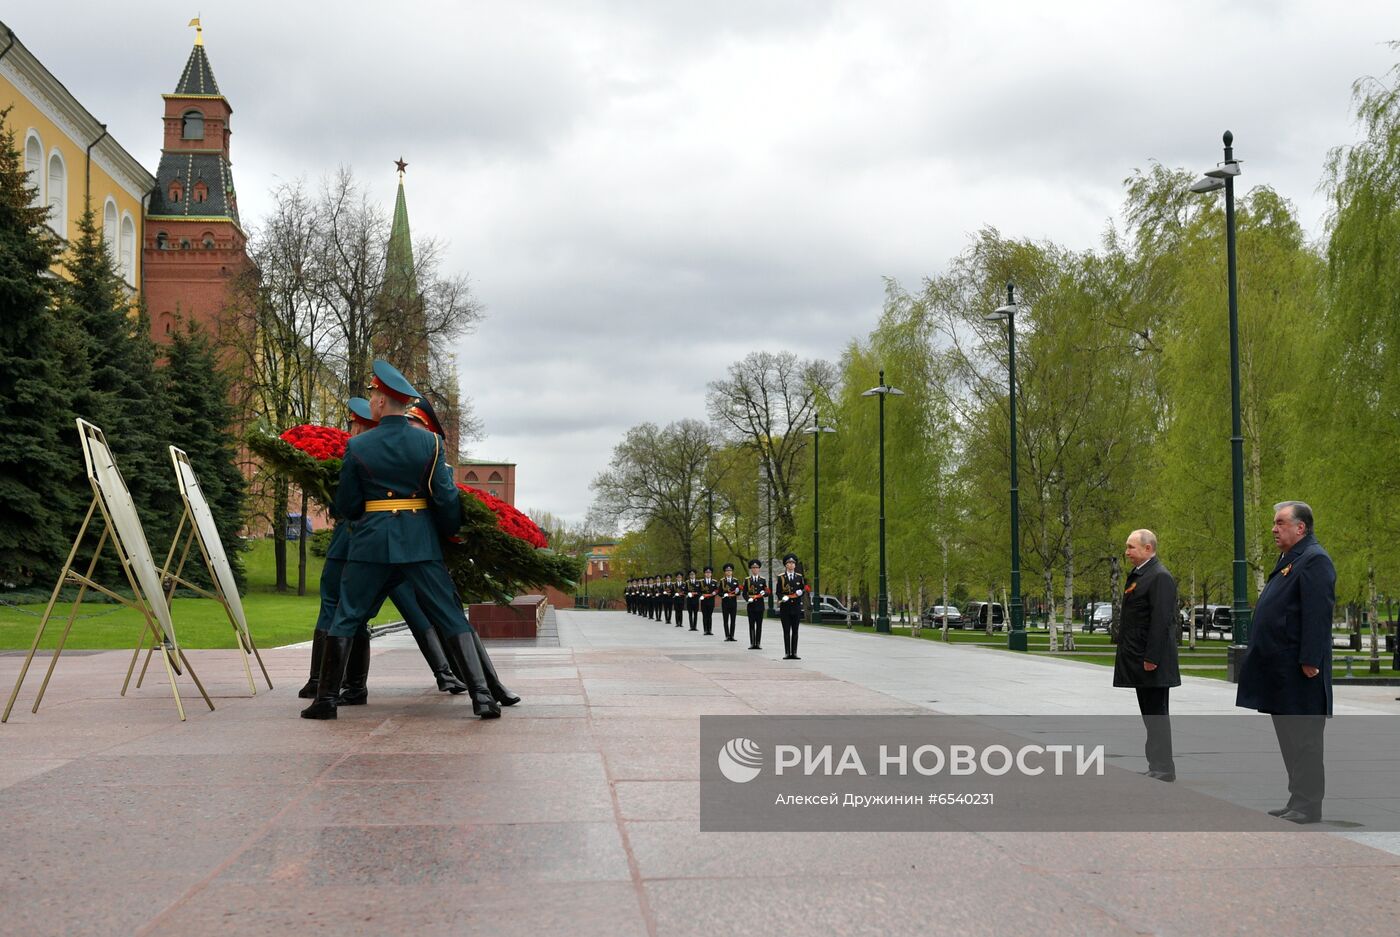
pixel 755 564
pixel 359 410
pixel 791 557
pixel 727 566
pixel 423 412
pixel 391 381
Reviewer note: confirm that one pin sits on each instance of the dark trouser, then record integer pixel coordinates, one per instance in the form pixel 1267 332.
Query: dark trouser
pixel 692 607
pixel 1154 706
pixel 756 623
pixel 1300 743
pixel 728 611
pixel 666 607
pixel 365 585
pixel 707 613
pixel 791 615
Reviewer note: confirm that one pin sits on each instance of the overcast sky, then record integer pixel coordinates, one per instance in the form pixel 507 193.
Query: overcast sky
pixel 642 191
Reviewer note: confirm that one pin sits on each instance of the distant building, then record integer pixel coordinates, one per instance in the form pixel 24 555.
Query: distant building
pixel 71 159
pixel 598 559
pixel 497 478
pixel 194 246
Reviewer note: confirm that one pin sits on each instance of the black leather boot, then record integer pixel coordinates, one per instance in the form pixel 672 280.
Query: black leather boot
pixel 430 646
pixel 354 692
pixel 493 683
pixel 461 649
pixel 335 653
pixel 318 639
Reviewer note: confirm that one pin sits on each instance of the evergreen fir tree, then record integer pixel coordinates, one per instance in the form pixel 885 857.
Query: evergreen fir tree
pixel 123 394
pixel 203 419
pixel 39 509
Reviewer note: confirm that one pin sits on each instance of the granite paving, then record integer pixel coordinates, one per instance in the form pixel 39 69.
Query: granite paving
pixel 577 812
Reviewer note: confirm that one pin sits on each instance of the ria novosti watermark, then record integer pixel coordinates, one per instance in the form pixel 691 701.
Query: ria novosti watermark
pixel 1026 773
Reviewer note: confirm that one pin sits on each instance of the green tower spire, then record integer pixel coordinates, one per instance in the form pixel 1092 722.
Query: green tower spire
pixel 400 281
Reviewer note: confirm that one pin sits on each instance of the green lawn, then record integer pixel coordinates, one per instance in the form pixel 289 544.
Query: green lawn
pixel 1096 648
pixel 273 618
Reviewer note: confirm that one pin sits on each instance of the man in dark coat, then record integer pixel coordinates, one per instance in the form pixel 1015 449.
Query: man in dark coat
pixel 790 587
pixel 1146 657
pixel 1287 668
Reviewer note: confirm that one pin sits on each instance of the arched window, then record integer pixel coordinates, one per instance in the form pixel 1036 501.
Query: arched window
pixel 34 167
pixel 184 244
pixel 471 477
pixel 200 191
pixel 495 477
pixel 208 240
pixel 177 194
pixel 57 187
pixel 109 229
pixel 192 127
pixel 128 249
pixel 162 241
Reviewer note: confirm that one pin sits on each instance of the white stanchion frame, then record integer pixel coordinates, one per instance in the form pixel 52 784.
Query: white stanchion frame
pixel 122 526
pixel 203 531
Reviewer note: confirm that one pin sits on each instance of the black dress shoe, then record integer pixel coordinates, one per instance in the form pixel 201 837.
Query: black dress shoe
pixel 1280 811
pixel 1162 775
pixel 794 657
pixel 755 647
pixel 1300 817
pixel 731 639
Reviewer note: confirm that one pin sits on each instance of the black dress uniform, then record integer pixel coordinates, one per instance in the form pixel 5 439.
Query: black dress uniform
pixel 729 601
pixel 755 591
pixel 709 591
pixel 1148 632
pixel 666 598
pixel 692 600
pixel 790 588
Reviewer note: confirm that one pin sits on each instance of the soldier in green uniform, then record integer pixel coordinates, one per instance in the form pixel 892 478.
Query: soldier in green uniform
pixel 397 489
pixel 423 416
pixel 353 691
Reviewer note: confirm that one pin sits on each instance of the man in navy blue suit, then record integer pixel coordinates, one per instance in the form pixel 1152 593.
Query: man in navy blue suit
pixel 1287 669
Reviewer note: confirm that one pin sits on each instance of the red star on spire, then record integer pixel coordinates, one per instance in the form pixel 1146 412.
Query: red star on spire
pixel 400 164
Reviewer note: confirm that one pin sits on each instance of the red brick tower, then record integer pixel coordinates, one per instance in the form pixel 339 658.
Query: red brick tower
pixel 194 247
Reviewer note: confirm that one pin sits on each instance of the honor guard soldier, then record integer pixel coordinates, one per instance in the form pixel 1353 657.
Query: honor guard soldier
pixel 353 690
pixel 692 599
pixel 709 591
pixel 729 600
pixel 424 417
pixel 755 591
pixel 678 598
pixel 791 587
pixel 666 593
pixel 654 598
pixel 397 489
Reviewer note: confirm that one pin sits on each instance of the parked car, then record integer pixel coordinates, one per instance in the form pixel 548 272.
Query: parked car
pixel 977 614
pixel 1213 618
pixel 1098 615
pixel 933 617
pixel 835 611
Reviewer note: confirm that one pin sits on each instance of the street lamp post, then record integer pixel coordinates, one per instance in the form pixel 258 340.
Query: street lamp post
pixel 1016 635
pixel 815 431
pixel 882 620
pixel 710 525
pixel 1223 177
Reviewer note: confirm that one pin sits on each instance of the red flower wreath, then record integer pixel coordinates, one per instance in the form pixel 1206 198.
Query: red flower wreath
pixel 508 519
pixel 319 442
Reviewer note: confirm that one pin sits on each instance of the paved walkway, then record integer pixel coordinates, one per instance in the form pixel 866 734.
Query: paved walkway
pixel 576 813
